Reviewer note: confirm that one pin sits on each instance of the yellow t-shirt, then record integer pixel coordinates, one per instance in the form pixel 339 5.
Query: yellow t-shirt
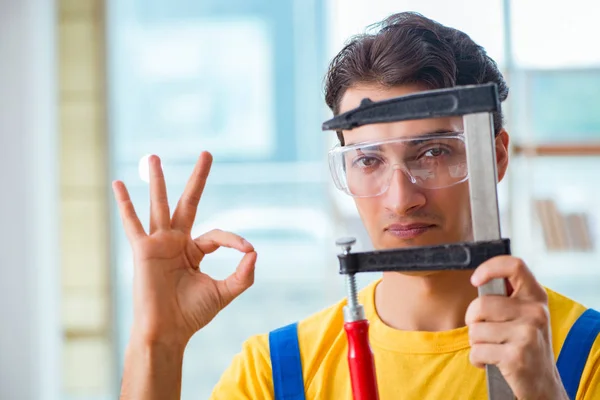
pixel 409 365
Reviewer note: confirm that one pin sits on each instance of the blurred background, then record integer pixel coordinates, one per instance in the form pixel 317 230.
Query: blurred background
pixel 89 88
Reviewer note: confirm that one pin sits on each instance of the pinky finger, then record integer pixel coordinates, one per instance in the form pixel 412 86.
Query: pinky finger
pixel 131 222
pixel 238 282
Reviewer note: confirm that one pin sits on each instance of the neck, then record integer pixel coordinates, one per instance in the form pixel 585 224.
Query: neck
pixel 437 302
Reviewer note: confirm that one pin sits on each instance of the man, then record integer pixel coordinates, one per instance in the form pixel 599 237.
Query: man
pixel 430 333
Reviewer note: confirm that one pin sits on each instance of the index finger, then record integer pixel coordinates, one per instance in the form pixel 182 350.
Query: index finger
pixel 131 222
pixel 185 212
pixel 522 281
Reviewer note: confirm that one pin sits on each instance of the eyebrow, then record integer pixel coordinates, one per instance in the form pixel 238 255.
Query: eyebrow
pixel 415 139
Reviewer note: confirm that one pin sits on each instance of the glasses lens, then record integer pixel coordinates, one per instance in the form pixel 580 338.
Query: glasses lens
pixel 366 169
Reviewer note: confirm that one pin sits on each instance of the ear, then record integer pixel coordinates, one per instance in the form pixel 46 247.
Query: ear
pixel 502 142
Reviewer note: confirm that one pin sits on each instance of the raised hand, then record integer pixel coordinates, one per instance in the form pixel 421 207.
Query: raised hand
pixel 173 298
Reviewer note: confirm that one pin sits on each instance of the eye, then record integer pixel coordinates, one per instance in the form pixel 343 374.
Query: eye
pixel 436 152
pixel 366 162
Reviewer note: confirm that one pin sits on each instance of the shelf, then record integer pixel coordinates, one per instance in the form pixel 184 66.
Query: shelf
pixel 558 149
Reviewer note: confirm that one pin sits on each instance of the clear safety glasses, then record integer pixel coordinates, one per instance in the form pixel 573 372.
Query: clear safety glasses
pixel 431 162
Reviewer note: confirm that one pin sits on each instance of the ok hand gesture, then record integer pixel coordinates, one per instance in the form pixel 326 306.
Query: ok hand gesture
pixel 173 298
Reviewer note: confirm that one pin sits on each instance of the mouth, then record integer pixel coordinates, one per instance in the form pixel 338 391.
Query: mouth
pixel 408 231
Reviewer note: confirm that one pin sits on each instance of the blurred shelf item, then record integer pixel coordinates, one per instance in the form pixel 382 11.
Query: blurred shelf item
pixel 558 149
pixel 563 231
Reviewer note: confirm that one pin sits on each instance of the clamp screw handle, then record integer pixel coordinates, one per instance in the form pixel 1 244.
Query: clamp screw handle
pixel 346 243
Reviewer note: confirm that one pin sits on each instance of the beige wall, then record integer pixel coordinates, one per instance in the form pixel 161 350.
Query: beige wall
pixel 86 304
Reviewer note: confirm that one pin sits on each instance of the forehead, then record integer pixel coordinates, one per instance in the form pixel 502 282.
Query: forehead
pixel 414 128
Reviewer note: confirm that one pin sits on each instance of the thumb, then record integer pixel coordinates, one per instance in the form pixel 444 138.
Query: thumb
pixel 236 283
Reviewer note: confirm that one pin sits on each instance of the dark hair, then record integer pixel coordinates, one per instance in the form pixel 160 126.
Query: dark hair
pixel 410 48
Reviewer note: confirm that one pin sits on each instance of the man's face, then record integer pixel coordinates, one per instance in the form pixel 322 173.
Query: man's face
pixel 407 214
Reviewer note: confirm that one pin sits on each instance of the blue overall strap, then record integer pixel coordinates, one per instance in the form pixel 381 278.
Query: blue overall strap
pixel 286 364
pixel 574 352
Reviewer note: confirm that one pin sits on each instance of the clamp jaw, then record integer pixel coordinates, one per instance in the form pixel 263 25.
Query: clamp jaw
pixel 459 256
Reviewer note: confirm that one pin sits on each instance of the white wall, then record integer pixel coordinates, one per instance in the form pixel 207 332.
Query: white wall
pixel 29 266
pixel 483 21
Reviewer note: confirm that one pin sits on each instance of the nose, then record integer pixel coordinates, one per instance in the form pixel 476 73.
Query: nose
pixel 403 196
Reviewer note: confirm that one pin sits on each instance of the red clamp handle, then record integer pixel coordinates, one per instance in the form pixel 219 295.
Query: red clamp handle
pixel 360 361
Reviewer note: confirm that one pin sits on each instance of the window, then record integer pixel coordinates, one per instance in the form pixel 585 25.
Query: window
pixel 558 36
pixel 242 79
